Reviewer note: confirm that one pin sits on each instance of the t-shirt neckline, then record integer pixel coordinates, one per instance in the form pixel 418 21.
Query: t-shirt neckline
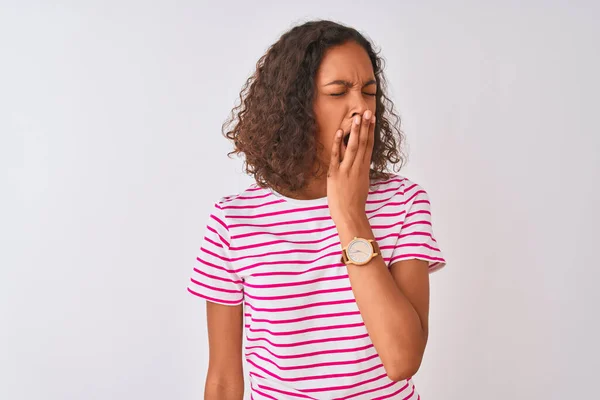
pixel 301 202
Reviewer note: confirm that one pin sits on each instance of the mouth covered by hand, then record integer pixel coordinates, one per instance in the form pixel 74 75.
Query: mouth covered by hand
pixel 349 167
pixel 346 138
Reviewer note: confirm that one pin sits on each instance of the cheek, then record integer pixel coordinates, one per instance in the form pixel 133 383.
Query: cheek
pixel 330 114
pixel 373 104
pixel 329 119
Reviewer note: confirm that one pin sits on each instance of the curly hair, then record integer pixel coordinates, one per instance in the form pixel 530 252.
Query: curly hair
pixel 274 125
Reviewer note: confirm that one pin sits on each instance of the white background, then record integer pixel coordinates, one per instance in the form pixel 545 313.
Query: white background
pixel 111 155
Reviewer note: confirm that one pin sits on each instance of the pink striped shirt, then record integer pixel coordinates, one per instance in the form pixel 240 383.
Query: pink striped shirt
pixel 280 258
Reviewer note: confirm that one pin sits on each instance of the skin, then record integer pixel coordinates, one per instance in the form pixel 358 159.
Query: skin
pixel 225 376
pixel 394 302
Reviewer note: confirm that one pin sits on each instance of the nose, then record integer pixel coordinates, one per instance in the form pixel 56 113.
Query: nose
pixel 358 104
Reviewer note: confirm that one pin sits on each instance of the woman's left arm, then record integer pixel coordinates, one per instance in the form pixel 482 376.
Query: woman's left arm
pixel 394 304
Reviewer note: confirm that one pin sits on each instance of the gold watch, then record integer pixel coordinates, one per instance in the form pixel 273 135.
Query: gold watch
pixel 359 251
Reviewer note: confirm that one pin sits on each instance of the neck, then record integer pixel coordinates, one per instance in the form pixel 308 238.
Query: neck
pixel 314 188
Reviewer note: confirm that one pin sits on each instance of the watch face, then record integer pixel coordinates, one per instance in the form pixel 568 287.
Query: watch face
pixel 359 251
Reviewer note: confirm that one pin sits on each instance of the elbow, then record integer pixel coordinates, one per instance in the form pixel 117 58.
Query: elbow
pixel 404 368
pixel 403 373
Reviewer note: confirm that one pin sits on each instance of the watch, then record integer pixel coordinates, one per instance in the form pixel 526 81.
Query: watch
pixel 359 251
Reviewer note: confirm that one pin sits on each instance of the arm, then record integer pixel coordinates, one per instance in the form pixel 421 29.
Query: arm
pixel 225 377
pixel 394 304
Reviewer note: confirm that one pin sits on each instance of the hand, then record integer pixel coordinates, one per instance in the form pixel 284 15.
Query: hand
pixel 348 179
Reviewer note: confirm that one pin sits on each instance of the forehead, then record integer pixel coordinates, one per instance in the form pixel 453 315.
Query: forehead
pixel 348 61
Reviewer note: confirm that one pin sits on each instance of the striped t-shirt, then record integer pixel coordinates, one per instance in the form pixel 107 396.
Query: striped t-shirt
pixel 280 258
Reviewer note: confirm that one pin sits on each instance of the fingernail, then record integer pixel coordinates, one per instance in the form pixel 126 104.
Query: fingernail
pixel 367 114
pixel 357 120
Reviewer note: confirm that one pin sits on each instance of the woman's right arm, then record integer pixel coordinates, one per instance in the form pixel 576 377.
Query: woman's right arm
pixel 225 378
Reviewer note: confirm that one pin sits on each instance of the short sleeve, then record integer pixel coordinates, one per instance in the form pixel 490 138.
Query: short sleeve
pixel 213 276
pixel 416 238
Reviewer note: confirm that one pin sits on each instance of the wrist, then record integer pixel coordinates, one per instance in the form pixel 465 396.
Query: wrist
pixel 351 226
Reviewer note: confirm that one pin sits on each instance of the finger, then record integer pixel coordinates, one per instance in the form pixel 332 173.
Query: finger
pixel 371 143
pixel 334 163
pixel 352 148
pixel 363 137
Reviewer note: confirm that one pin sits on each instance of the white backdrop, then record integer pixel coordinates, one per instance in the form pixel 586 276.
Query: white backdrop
pixel 111 155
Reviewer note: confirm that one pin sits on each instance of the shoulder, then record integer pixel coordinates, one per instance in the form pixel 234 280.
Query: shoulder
pixel 398 192
pixel 397 185
pixel 252 194
pixel 222 206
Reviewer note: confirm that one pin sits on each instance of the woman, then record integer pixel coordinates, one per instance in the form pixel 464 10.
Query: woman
pixel 322 264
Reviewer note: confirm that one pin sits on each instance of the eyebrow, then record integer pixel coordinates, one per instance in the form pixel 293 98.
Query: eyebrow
pixel 348 84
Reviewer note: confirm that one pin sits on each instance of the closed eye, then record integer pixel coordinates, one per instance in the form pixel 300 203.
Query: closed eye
pixel 343 93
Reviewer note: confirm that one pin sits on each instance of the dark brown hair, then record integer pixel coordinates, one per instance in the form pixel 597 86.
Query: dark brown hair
pixel 274 125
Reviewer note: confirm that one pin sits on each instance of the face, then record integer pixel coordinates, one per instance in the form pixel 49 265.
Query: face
pixel 345 87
